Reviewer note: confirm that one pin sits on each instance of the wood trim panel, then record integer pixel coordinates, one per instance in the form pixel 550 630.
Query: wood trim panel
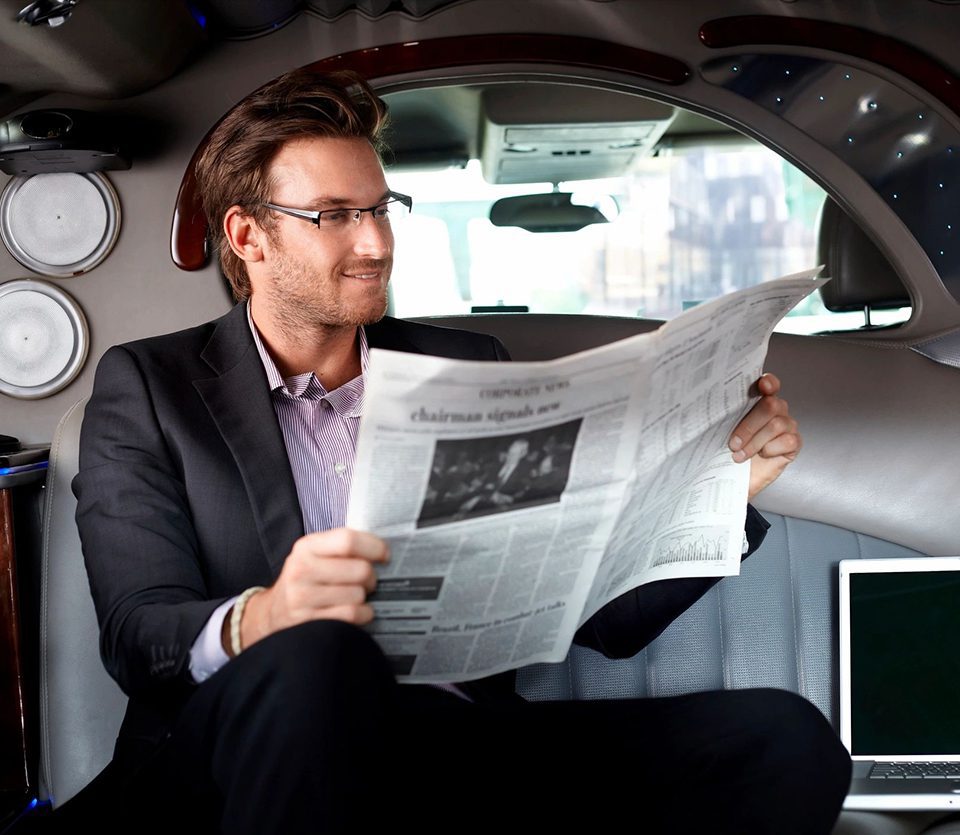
pixel 14 773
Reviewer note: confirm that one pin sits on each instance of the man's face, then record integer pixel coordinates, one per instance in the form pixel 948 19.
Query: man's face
pixel 335 276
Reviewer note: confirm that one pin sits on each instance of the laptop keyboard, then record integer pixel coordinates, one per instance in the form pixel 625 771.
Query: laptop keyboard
pixel 915 771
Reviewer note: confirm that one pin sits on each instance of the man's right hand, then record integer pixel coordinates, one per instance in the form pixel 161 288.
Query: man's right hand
pixel 327 575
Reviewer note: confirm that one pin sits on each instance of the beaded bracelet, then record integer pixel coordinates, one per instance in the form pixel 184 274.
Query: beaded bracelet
pixel 236 615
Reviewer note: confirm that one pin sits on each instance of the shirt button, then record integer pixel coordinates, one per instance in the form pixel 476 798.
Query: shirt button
pixel 339 468
pixel 325 404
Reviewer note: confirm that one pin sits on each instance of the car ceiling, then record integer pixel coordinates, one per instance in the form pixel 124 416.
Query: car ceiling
pixel 113 49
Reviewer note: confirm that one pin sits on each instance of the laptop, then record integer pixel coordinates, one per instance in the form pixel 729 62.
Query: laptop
pixel 900 681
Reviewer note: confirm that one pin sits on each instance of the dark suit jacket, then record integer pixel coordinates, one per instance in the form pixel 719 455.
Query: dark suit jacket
pixel 186 497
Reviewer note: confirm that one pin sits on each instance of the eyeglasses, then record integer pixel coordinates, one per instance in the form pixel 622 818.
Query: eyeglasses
pixel 392 209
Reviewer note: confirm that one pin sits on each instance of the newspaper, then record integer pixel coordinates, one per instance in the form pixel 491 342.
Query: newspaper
pixel 519 498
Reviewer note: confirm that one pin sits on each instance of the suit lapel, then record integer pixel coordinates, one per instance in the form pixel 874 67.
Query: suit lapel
pixel 238 400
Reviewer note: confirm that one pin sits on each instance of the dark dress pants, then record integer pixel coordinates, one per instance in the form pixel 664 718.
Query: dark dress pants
pixel 307 731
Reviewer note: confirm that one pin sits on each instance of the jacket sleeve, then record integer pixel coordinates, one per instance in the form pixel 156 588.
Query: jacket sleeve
pixel 627 624
pixel 139 546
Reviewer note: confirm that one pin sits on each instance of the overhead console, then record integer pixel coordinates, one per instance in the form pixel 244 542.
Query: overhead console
pixel 555 133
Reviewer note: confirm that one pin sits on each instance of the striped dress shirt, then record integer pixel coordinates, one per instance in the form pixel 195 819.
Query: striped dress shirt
pixel 320 433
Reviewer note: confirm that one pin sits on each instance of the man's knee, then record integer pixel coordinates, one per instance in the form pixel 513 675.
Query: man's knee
pixel 324 660
pixel 786 769
pixel 328 638
pixel 794 721
pixel 801 744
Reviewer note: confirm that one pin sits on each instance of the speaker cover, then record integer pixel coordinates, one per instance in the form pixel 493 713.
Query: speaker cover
pixel 59 224
pixel 43 339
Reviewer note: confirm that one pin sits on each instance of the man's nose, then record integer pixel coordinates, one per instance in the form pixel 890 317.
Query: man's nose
pixel 372 239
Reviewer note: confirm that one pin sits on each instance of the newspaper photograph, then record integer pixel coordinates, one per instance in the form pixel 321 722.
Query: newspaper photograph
pixel 519 498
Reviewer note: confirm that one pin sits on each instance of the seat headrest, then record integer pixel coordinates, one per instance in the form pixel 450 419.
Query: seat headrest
pixel 862 276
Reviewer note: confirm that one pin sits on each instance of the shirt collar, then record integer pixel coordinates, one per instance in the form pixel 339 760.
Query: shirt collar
pixel 347 400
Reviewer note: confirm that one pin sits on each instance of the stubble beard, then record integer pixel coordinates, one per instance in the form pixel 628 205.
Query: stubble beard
pixel 304 302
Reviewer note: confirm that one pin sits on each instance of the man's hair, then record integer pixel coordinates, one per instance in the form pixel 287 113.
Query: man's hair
pixel 232 169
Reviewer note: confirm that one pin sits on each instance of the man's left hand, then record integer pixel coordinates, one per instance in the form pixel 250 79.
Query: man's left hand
pixel 767 436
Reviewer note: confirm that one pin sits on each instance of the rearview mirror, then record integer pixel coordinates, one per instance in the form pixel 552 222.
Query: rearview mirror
pixel 552 212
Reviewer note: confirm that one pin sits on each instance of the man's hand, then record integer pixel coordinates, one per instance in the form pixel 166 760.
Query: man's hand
pixel 327 575
pixel 767 436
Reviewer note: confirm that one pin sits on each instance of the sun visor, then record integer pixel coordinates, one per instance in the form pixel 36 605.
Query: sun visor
pixel 543 133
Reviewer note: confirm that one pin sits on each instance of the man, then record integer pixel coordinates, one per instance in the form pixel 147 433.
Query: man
pixel 214 475
pixel 505 478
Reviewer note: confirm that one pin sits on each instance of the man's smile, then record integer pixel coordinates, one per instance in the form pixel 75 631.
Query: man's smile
pixel 367 271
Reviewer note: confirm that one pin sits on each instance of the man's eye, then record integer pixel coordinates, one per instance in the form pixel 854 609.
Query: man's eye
pixel 334 216
pixel 381 212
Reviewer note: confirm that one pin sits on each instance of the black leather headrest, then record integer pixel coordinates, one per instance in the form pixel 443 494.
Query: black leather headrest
pixel 862 276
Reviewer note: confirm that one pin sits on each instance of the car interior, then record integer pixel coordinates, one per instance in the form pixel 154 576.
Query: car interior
pixel 565 195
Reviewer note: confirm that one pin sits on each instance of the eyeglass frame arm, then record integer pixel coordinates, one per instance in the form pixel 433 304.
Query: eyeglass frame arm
pixel 314 216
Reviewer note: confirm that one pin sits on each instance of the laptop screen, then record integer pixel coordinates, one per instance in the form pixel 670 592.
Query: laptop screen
pixel 904 661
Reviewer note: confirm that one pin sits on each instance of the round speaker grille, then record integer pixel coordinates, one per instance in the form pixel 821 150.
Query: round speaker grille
pixel 60 224
pixel 43 339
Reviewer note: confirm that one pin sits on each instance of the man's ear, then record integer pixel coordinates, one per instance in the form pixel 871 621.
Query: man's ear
pixel 243 234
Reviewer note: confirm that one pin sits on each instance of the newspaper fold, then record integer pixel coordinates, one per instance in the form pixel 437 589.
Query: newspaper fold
pixel 519 498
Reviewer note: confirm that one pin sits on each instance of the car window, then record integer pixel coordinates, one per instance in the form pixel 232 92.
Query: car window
pixel 689 224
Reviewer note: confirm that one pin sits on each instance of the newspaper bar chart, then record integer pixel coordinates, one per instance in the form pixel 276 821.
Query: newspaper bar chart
pixel 710 545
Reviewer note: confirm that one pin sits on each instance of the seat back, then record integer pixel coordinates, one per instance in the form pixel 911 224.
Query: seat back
pixel 81 707
pixel 773 626
pixel 861 276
